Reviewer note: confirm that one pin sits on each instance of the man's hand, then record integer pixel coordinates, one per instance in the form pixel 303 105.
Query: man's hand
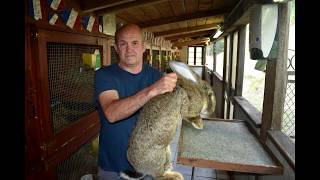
pixel 166 84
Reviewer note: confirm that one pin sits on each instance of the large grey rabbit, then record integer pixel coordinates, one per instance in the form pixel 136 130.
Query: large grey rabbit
pixel 148 149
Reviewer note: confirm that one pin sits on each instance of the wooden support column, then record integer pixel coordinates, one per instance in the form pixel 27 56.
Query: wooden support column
pixel 241 59
pixel 275 82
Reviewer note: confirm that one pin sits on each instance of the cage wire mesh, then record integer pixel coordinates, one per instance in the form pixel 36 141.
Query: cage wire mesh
pixel 114 55
pixel 288 118
pixel 155 59
pixel 81 163
pixel 164 61
pixel 71 84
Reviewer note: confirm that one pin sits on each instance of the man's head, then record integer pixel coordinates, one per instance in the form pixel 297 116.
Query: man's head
pixel 129 45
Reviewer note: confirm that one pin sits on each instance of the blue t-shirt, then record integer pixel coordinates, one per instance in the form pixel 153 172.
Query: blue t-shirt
pixel 114 137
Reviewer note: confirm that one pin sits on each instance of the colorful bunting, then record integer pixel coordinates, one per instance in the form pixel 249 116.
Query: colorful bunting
pixel 69 17
pixel 53 17
pixel 56 4
pixel 35 9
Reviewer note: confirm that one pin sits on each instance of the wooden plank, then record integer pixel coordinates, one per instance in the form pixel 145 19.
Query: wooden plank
pixel 252 112
pixel 192 42
pixel 243 152
pixel 93 5
pixel 192 22
pixel 165 9
pixel 126 6
pixel 200 33
pixel 67 150
pixel 191 6
pixel 151 12
pixel 73 132
pixel 184 17
pixel 186 30
pixel 215 19
pixel 62 28
pixel 285 146
pixel 33 139
pixel 133 15
pixel 274 93
pixel 201 21
pixel 178 7
pixel 205 5
pixel 182 24
pixel 164 27
pixel 239 15
pixel 241 59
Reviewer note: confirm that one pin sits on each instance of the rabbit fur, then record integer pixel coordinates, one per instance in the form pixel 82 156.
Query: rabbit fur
pixel 148 149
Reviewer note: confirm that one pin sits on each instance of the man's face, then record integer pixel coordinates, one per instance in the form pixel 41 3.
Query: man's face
pixel 129 47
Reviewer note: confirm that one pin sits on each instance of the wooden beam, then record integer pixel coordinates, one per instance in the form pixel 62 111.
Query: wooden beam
pixel 187 30
pixel 124 6
pixel 90 6
pixel 184 17
pixel 201 33
pixel 239 15
pixel 241 59
pixel 201 41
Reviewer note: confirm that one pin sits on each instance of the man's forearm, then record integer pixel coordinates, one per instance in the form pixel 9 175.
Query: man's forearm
pixel 123 108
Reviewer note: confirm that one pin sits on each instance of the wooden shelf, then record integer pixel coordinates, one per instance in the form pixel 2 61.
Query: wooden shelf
pixel 225 145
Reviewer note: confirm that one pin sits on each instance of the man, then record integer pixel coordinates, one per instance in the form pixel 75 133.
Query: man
pixel 120 91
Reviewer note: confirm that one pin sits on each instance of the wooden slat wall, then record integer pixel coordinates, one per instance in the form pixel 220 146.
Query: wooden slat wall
pixel 165 9
pixel 151 11
pixel 191 6
pixel 205 5
pixel 178 7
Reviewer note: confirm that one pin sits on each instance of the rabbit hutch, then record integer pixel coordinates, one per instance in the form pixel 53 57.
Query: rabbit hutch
pixel 243 48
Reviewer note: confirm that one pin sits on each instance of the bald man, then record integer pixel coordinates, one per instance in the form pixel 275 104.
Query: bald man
pixel 121 89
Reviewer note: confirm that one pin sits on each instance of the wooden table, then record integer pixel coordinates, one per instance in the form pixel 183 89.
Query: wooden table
pixel 225 145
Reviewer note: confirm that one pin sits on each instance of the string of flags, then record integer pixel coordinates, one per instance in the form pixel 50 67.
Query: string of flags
pixel 35 9
pixel 69 16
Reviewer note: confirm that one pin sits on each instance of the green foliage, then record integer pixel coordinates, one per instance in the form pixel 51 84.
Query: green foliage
pixel 209 50
pixel 292 6
pixel 218 47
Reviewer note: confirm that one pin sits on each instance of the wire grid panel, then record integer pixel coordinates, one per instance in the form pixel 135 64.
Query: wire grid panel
pixel 288 118
pixel 71 84
pixel 81 163
pixel 114 55
pixel 288 122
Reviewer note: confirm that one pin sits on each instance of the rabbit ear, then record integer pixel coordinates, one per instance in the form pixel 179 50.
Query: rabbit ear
pixel 183 70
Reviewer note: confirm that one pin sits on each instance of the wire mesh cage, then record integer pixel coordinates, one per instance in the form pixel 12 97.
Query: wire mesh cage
pixel 82 163
pixel 288 119
pixel 71 83
pixel 114 55
pixel 155 59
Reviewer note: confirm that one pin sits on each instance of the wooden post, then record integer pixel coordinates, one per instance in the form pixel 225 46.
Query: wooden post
pixel 275 82
pixel 241 58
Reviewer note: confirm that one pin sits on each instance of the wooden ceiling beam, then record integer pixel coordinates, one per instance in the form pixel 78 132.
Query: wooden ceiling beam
pixel 187 30
pixel 190 43
pixel 184 17
pixel 124 6
pixel 94 5
pixel 200 33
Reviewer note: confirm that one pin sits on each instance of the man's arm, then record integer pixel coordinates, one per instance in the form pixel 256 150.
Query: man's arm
pixel 116 109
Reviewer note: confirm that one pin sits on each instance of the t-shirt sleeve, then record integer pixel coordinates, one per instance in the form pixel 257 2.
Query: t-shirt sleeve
pixel 103 82
pixel 157 76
